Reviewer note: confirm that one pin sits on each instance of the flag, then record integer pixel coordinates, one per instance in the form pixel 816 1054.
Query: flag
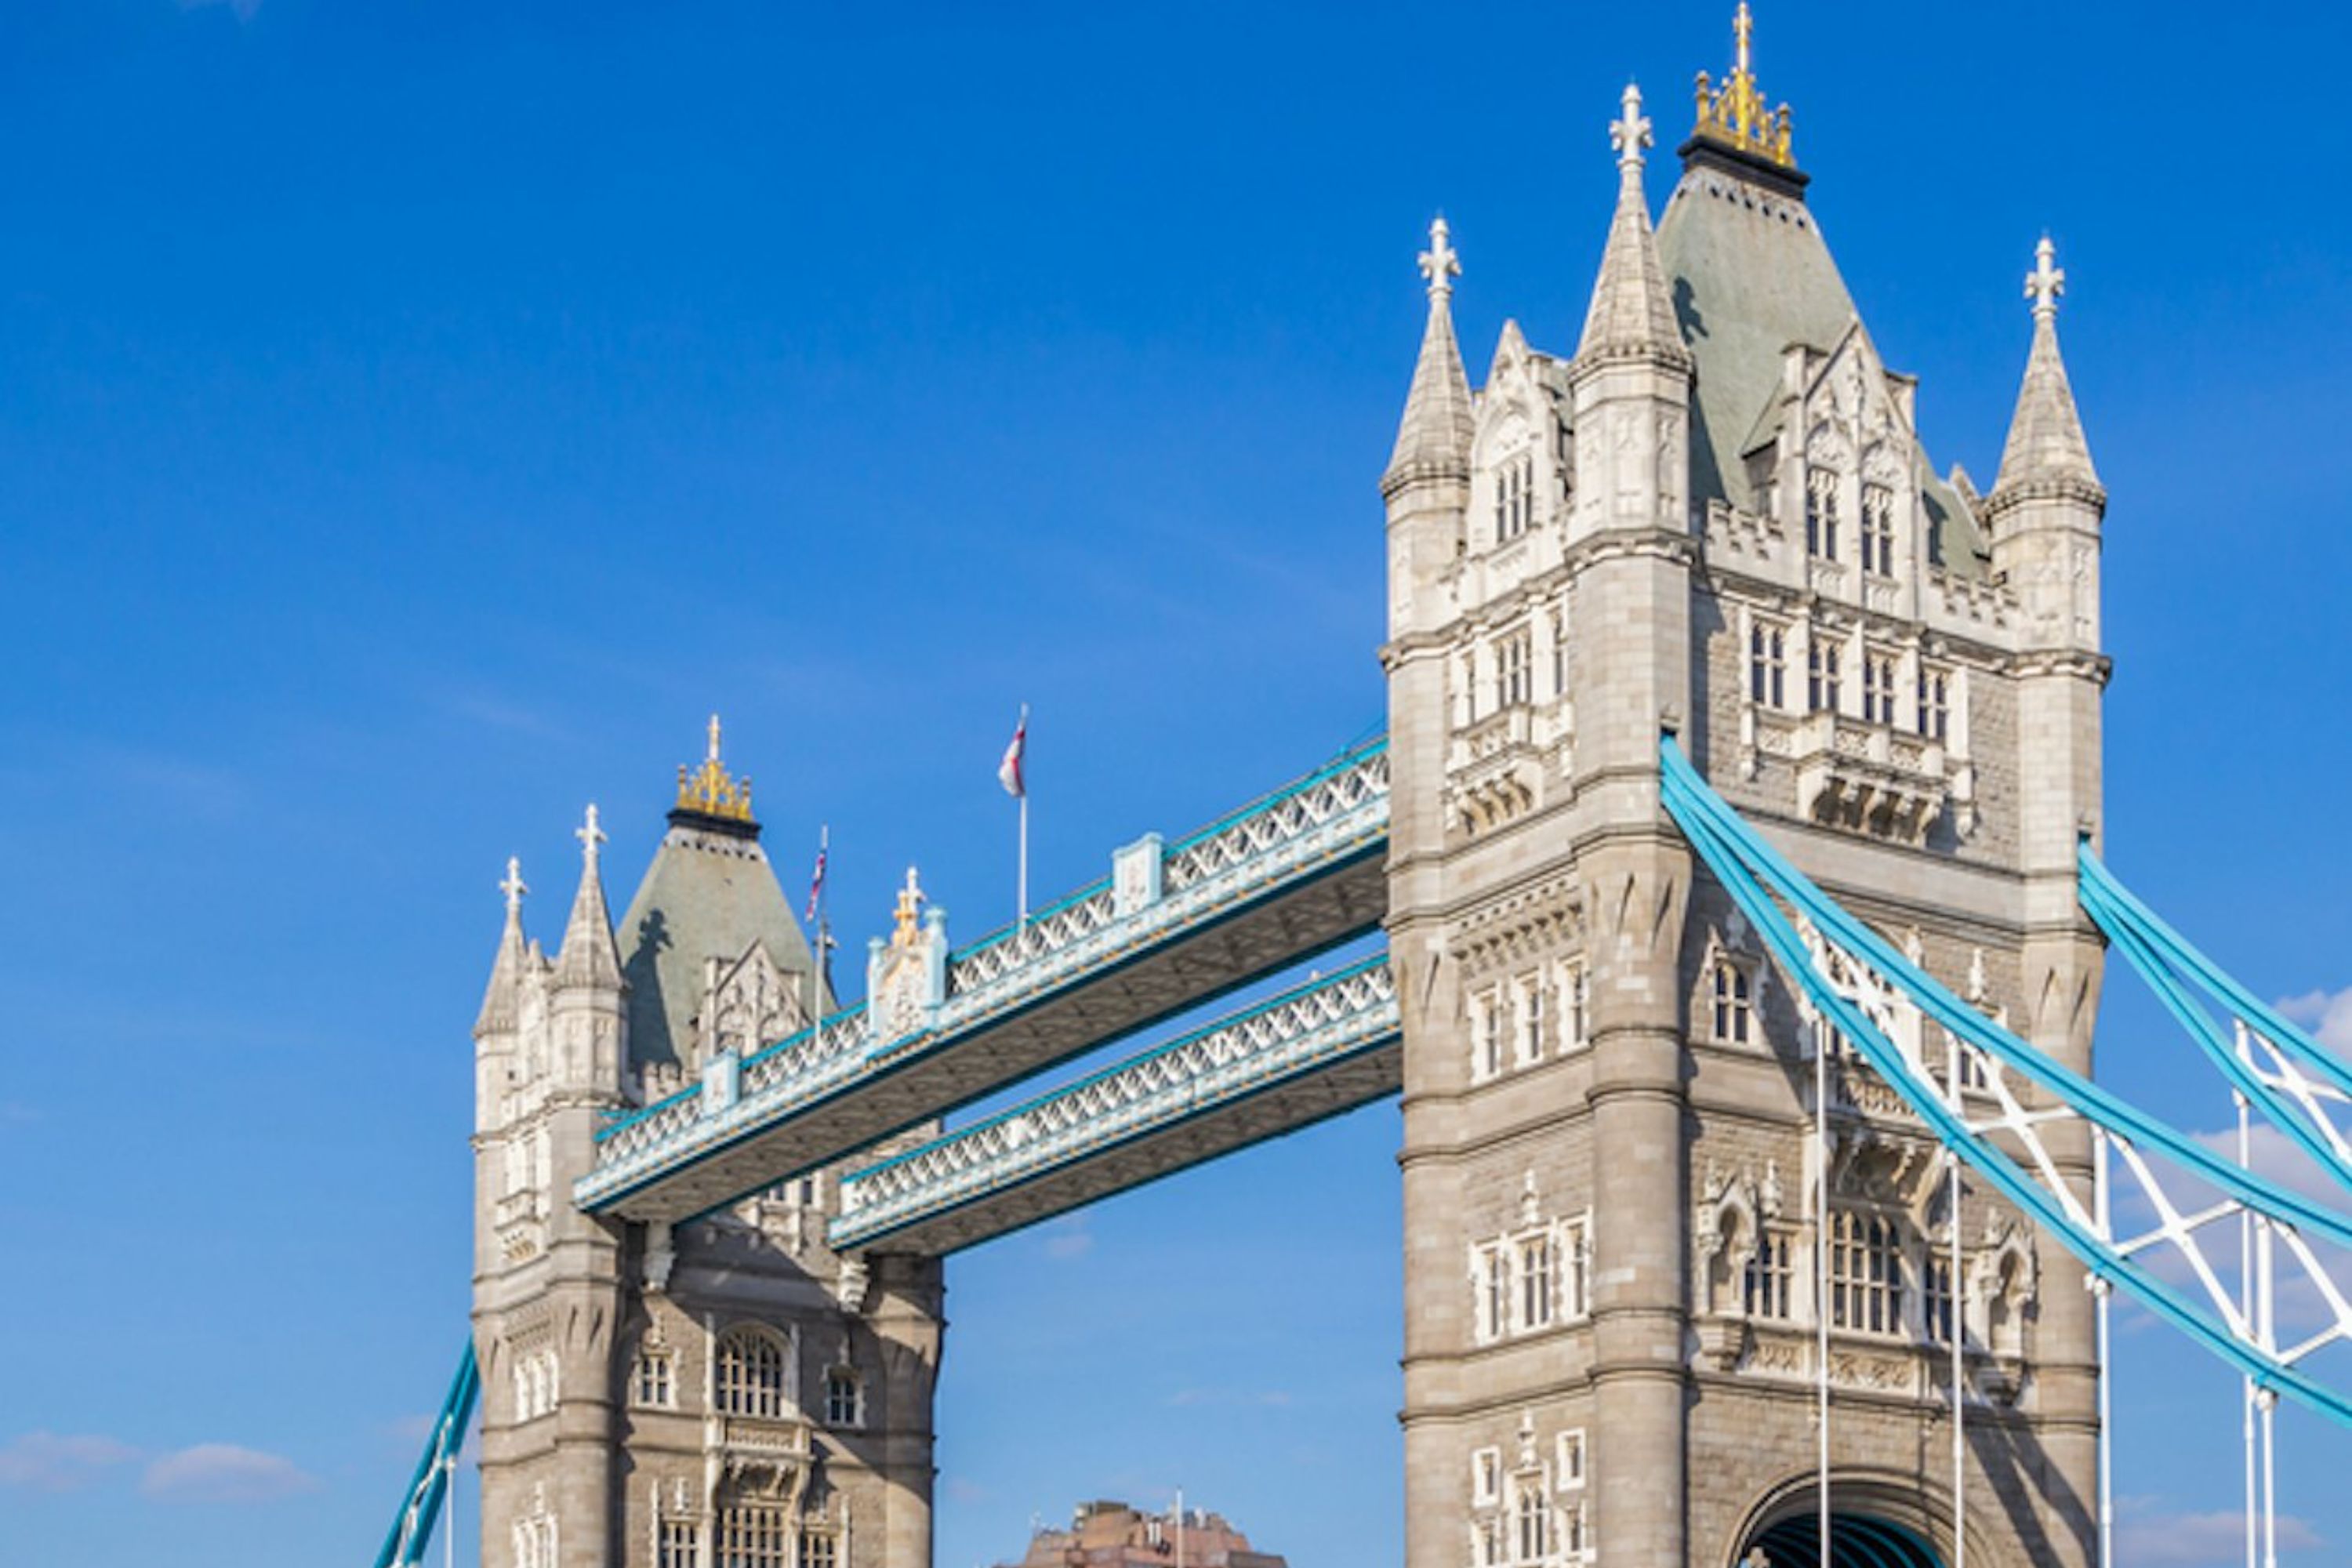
pixel 816 879
pixel 1009 772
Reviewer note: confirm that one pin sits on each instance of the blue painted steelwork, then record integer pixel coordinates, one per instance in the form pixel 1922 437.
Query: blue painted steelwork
pixel 420 1506
pixel 1305 1033
pixel 1748 867
pixel 2172 969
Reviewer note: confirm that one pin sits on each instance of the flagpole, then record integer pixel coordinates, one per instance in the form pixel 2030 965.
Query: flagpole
pixel 823 930
pixel 1022 891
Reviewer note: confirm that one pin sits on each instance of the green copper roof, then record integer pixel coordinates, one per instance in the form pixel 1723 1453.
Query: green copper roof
pixel 708 894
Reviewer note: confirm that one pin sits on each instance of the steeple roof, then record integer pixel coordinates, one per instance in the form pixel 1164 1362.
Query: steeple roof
pixel 710 893
pixel 501 1000
pixel 1631 314
pixel 588 956
pixel 2046 443
pixel 1434 437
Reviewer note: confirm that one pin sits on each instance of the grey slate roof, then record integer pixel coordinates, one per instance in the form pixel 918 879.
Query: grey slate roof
pixel 709 894
pixel 1750 273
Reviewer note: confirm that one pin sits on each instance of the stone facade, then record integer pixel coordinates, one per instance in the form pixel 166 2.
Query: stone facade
pixel 724 1391
pixel 1714 518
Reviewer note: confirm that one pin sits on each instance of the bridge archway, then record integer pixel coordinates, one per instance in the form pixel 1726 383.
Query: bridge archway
pixel 1856 1541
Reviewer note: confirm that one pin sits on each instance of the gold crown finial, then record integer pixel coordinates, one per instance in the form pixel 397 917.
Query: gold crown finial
pixel 708 791
pixel 1734 114
pixel 908 913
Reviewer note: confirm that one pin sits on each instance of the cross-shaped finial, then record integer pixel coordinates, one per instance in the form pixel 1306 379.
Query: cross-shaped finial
pixel 714 737
pixel 512 886
pixel 590 835
pixel 1630 133
pixel 2045 282
pixel 1439 263
pixel 1742 25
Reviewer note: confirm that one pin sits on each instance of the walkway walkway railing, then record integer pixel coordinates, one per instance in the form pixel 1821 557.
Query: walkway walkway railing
pixel 1157 896
pixel 1299 1033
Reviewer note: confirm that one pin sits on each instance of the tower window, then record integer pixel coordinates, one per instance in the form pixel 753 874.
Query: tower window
pixel 1532 1512
pixel 1568 1474
pixel 1535 1282
pixel 1558 653
pixel 1821 513
pixel 1770 1276
pixel 1768 665
pixel 1821 666
pixel 1487 1036
pixel 1878 688
pixel 1878 529
pixel 681 1544
pixel 1576 1004
pixel 1734 1002
pixel 1514 496
pixel 1492 1281
pixel 845 1398
pixel 754 1535
pixel 820 1549
pixel 751 1375
pixel 1937 1297
pixel 1934 703
pixel 1514 669
pixel 1866 1272
pixel 1531 1019
pixel 654 1384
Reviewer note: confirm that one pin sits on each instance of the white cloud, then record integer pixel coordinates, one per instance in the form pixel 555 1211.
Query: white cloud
pixel 46 1462
pixel 1069 1237
pixel 223 1472
pixel 2326 1013
pixel 2216 1539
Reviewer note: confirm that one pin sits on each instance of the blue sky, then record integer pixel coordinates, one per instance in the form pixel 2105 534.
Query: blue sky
pixel 416 417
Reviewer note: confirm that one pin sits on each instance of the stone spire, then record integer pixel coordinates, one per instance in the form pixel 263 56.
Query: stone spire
pixel 1433 439
pixel 502 1003
pixel 2045 451
pixel 1632 317
pixel 589 956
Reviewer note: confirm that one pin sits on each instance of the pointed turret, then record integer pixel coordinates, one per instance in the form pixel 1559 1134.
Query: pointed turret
pixel 2045 449
pixel 1631 315
pixel 502 1000
pixel 589 956
pixel 1433 439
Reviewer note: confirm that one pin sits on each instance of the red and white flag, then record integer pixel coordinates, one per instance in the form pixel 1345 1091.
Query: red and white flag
pixel 1009 772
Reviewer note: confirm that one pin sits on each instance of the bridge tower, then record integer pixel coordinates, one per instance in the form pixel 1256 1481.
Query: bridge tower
pixel 1624 1240
pixel 727 1390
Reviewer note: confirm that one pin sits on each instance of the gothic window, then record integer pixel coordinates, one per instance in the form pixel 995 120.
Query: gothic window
pixel 1878 529
pixel 1866 1272
pixel 1770 1276
pixel 654 1384
pixel 1486 1538
pixel 820 1549
pixel 1535 1282
pixel 1767 664
pixel 1934 703
pixel 1733 1002
pixel 1821 669
pixel 1575 1538
pixel 754 1535
pixel 1531 1521
pixel 534 1541
pixel 535 1385
pixel 1821 513
pixel 1487 1477
pixel 1531 1019
pixel 845 1398
pixel 1877 686
pixel 1936 1296
pixel 680 1545
pixel 1568 1470
pixel 1514 669
pixel 751 1375
pixel 1576 1270
pixel 1514 496
pixel 1487 1036
pixel 1468 668
pixel 1559 653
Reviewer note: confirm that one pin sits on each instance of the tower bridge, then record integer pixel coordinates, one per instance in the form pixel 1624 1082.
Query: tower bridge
pixel 1745 1222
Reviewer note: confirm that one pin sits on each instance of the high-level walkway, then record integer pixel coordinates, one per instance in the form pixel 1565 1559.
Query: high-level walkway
pixel 1313 1052
pixel 1270 885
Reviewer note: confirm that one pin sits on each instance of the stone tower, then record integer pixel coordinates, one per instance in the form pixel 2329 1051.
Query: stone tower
pixel 726 1391
pixel 1715 519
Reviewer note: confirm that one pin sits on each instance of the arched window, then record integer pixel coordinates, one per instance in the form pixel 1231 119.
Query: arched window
pixel 845 1398
pixel 750 1373
pixel 1533 1516
pixel 1734 1001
